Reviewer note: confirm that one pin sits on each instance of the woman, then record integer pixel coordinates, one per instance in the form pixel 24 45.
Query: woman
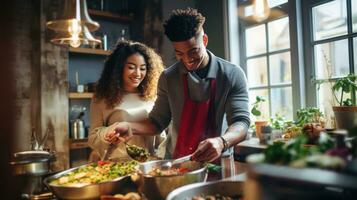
pixel 125 91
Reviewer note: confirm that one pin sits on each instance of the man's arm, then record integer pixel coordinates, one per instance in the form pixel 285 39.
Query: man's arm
pixel 158 118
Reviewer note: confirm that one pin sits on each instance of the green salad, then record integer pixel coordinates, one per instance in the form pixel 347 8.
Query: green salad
pixel 101 171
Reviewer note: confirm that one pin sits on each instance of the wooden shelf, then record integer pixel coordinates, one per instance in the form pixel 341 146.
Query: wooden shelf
pixel 85 95
pixel 89 51
pixel 110 15
pixel 78 143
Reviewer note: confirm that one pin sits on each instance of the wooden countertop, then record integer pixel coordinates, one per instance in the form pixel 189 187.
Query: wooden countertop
pixel 247 147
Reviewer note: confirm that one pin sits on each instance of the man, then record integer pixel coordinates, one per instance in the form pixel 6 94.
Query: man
pixel 200 94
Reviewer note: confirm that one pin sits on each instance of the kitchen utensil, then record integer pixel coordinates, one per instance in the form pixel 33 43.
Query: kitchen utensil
pixel 158 187
pixel 30 168
pixel 137 153
pixel 78 129
pixel 108 151
pixel 44 139
pixel 224 188
pixel 34 141
pixel 91 191
pixel 169 164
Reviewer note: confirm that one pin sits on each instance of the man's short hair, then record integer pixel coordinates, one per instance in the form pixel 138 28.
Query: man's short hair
pixel 183 24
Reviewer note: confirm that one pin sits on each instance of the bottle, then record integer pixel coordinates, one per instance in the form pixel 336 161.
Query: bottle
pixel 78 128
pixel 266 133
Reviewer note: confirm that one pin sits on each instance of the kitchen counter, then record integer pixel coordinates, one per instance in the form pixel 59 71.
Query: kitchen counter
pixel 247 147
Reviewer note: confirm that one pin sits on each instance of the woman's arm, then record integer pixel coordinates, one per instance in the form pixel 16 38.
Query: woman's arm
pixel 98 130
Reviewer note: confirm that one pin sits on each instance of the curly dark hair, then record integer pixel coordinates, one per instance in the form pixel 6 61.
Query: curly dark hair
pixel 110 85
pixel 183 24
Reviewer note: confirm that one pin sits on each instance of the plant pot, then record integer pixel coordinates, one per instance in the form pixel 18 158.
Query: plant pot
pixel 346 117
pixel 258 128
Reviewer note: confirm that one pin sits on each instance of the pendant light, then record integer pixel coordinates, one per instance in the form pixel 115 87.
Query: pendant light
pixel 261 10
pixel 73 27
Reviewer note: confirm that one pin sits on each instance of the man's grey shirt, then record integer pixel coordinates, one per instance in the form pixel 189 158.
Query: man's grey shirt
pixel 231 98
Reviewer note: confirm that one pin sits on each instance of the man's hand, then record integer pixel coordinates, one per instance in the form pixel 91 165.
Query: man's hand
pixel 120 132
pixel 208 150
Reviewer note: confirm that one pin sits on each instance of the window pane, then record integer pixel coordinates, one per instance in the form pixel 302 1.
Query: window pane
pixel 354 15
pixel 248 10
pixel 279 34
pixel 257 72
pixel 280 68
pixel 264 108
pixel 331 59
pixel 330 19
pixel 283 103
pixel 255 40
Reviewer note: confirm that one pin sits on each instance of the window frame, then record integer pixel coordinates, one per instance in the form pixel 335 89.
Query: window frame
pixel 293 11
pixel 309 44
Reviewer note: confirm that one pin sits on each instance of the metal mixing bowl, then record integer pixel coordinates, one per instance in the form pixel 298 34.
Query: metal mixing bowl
pixel 224 188
pixel 92 191
pixel 158 187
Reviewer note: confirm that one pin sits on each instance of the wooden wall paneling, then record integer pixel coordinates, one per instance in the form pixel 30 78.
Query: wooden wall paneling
pixel 54 90
pixel 26 72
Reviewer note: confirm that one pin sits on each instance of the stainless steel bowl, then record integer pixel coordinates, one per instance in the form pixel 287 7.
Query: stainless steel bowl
pixel 158 187
pixel 92 191
pixel 224 188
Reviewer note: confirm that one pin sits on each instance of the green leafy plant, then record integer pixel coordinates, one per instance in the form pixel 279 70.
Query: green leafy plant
pixel 278 122
pixel 255 110
pixel 343 86
pixel 309 115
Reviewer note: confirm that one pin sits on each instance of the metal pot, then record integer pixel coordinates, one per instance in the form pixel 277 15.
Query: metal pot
pixel 92 191
pixel 224 188
pixel 158 187
pixel 31 167
pixel 31 163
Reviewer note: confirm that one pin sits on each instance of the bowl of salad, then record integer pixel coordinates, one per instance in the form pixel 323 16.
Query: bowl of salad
pixel 157 181
pixel 91 180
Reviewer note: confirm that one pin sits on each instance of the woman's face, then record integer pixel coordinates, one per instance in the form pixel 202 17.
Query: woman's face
pixel 134 72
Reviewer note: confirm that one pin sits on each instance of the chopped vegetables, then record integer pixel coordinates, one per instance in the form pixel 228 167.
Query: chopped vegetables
pixel 137 153
pixel 168 172
pixel 296 154
pixel 216 197
pixel 128 196
pixel 96 173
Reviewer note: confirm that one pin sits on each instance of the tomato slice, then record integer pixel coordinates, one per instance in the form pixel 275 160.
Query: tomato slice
pixel 101 163
pixel 183 170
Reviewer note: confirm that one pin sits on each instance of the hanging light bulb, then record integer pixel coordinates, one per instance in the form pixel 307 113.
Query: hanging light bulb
pixel 74 26
pixel 75 40
pixel 261 10
pixel 74 29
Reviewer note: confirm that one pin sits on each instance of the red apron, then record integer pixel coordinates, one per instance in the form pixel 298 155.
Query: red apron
pixel 197 121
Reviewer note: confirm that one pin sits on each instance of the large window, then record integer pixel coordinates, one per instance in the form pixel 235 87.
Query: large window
pixel 332 46
pixel 266 56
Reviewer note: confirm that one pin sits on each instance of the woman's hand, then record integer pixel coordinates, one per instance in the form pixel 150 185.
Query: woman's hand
pixel 120 132
pixel 208 150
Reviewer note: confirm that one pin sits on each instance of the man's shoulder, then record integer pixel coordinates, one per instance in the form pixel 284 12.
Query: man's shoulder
pixel 173 69
pixel 228 67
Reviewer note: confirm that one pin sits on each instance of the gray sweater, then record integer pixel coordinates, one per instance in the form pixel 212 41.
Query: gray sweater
pixel 231 101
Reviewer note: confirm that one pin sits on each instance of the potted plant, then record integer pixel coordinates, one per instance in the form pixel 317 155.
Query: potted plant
pixel 344 91
pixel 257 113
pixel 277 124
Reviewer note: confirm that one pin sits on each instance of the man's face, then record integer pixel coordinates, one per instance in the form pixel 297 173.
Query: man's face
pixel 191 52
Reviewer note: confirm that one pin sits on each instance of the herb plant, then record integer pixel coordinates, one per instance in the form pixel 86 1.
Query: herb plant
pixel 345 85
pixel 255 110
